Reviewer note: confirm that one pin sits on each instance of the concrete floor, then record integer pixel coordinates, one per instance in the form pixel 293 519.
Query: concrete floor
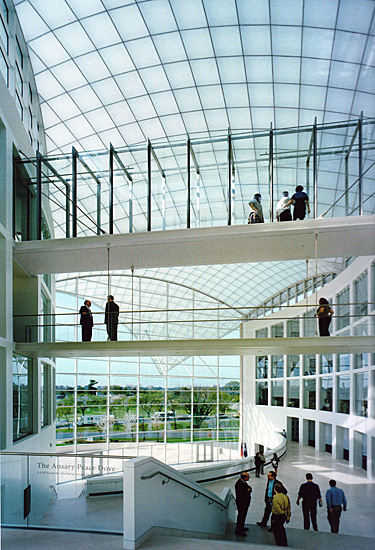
pixel 357 529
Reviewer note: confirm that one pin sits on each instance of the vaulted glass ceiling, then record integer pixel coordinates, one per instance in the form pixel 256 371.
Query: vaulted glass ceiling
pixel 122 71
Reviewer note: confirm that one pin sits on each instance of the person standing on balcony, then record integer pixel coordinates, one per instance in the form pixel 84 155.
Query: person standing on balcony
pixel 283 213
pixel 300 201
pixel 111 318
pixel 256 216
pixel 86 321
pixel 243 498
pixel 324 314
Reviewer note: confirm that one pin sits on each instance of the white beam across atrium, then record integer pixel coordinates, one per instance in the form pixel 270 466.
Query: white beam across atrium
pixel 230 346
pixel 308 239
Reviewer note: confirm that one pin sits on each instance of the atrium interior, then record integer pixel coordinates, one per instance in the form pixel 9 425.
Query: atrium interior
pixel 133 134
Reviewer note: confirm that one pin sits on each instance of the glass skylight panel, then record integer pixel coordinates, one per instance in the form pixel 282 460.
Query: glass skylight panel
pixel 236 95
pixel 112 136
pixel 49 117
pixel 188 99
pixel 286 41
pixel 320 13
pixel 55 13
pixel 348 47
pixel 158 16
pixel 194 122
pixel 256 40
pixel 99 119
pixel 47 85
pixel 313 97
pixel 179 74
pixel 315 71
pixel 286 118
pixel 355 16
pixel 259 68
pixel 341 102
pixel 261 94
pixel 164 102
pixel 131 85
pixel 217 119
pixel 211 97
pixel 286 69
pixel 227 41
pixel 101 30
pixel 64 106
pixel 107 91
pixel 205 71
pixel 231 69
pixel 190 14
pixel 154 79
pixel 143 53
pixel 239 119
pixel 317 43
pixel 170 47
pixel 152 128
pixel 31 22
pixel 49 49
pixel 85 98
pixel 364 102
pixel 286 95
pixel 261 117
pixel 132 133
pixel 84 9
pixel 61 135
pixel 286 12
pixel 79 127
pixel 198 43
pixel 129 22
pixel 69 75
pixel 345 75
pixel 117 59
pixel 173 125
pixel 253 12
pixel 92 67
pixel 366 81
pixel 120 113
pixel 221 12
pixel 142 107
pixel 74 39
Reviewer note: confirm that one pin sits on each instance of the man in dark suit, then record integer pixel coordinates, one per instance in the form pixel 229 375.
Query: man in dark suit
pixel 86 321
pixel 111 318
pixel 268 497
pixel 310 493
pixel 243 498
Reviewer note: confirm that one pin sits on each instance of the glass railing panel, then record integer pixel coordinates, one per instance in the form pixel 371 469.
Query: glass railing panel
pixel 14 483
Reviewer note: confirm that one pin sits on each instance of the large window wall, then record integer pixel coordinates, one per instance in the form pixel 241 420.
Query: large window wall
pixel 139 403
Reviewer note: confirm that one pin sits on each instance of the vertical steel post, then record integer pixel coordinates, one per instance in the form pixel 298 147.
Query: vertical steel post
pixel 188 186
pixel 315 170
pixel 270 156
pixel 74 191
pixel 38 196
pixel 98 232
pixel 148 185
pixel 229 178
pixel 110 189
pixel 346 185
pixel 360 194
pixel 67 211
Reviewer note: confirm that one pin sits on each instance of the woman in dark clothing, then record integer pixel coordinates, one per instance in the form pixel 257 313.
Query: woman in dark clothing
pixel 275 462
pixel 324 314
pixel 300 201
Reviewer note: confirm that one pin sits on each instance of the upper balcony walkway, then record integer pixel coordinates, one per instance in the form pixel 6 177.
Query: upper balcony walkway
pixel 308 239
pixel 212 346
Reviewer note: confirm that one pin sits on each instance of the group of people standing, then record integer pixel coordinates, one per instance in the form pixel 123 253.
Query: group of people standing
pixel 111 316
pixel 277 505
pixel 283 213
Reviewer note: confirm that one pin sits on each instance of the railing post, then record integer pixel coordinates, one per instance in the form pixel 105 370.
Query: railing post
pixel 74 191
pixel 148 185
pixel 360 199
pixel 98 232
pixel 67 211
pixel 110 189
pixel 315 170
pixel 270 153
pixel 188 186
pixel 346 185
pixel 229 178
pixel 38 196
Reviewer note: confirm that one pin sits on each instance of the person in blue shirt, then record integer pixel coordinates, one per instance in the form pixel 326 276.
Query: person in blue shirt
pixel 336 502
pixel 268 497
pixel 300 201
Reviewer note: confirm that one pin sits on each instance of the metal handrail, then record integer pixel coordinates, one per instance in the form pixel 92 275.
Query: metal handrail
pixel 57 455
pixel 144 478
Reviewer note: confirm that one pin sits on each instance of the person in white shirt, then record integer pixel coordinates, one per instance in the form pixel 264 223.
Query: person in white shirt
pixel 283 213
